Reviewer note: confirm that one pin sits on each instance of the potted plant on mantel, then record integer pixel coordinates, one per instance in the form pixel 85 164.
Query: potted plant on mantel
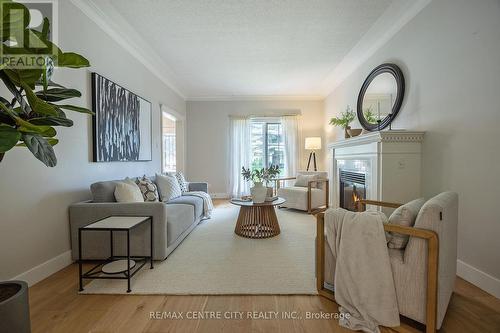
pixel 259 192
pixel 344 121
pixel 28 116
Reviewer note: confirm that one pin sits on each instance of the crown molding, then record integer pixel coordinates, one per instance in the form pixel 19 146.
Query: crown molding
pixel 387 26
pixel 226 98
pixel 106 18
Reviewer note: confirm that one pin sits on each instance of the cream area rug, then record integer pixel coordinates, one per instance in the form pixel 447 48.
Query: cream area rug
pixel 213 260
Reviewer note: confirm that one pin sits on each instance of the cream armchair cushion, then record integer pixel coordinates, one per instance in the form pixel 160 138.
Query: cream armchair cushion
pixel 297 196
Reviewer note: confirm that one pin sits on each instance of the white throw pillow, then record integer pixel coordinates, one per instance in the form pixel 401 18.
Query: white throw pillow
pixel 405 216
pixel 168 187
pixel 303 180
pixel 128 192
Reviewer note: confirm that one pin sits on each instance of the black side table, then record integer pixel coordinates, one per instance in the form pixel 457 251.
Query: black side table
pixel 111 224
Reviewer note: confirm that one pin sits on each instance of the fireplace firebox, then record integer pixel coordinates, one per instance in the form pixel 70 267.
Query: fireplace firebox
pixel 352 189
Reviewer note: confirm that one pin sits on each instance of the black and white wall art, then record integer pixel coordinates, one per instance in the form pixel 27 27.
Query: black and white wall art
pixel 121 124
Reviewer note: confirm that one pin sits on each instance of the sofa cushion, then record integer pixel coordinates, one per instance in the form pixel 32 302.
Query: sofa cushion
pixel 182 181
pixel 104 191
pixel 148 189
pixel 128 192
pixel 168 186
pixel 192 200
pixel 179 218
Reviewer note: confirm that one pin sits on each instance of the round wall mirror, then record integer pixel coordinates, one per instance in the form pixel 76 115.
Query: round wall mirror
pixel 381 97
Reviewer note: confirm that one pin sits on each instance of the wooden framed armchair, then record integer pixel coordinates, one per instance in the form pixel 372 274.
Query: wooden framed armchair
pixel 312 197
pixel 424 271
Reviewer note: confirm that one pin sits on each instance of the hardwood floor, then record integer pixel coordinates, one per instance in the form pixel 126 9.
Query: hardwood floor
pixel 56 307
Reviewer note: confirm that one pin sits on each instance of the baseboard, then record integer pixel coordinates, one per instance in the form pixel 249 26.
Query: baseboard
pixel 219 195
pixel 46 269
pixel 480 279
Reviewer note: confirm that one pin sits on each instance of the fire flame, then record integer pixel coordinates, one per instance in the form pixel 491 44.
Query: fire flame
pixel 355 197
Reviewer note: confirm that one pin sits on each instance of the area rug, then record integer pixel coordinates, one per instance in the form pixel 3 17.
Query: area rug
pixel 213 260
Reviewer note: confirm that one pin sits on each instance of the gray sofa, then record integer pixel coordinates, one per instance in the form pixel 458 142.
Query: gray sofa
pixel 172 222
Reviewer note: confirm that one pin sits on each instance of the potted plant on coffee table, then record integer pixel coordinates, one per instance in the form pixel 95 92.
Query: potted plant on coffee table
pixel 259 177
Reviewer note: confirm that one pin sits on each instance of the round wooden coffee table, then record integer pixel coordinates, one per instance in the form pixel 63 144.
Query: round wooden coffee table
pixel 257 220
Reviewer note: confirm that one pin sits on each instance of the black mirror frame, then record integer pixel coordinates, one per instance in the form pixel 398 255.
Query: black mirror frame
pixel 400 81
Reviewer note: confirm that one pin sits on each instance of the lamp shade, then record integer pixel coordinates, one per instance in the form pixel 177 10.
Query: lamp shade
pixel 313 143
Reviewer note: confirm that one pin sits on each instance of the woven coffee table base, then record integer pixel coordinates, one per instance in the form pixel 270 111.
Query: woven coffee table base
pixel 257 222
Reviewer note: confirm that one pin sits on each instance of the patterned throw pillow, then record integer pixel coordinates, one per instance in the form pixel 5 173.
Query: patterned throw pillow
pixel 168 187
pixel 182 181
pixel 148 189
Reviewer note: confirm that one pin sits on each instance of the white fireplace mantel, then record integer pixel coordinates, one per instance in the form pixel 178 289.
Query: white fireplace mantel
pixel 383 136
pixel 391 161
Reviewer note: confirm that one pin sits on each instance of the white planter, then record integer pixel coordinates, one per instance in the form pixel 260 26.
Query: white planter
pixel 259 193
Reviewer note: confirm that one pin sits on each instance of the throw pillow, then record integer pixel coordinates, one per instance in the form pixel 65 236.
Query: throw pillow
pixel 128 192
pixel 148 189
pixel 303 180
pixel 405 216
pixel 182 181
pixel 168 187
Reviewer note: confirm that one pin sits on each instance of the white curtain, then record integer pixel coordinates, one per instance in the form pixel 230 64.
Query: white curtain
pixel 290 125
pixel 239 155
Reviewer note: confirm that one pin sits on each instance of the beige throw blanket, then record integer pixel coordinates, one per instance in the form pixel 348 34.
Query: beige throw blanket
pixel 208 205
pixel 364 286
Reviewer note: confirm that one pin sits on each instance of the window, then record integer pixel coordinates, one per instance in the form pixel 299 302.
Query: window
pixel 168 143
pixel 267 144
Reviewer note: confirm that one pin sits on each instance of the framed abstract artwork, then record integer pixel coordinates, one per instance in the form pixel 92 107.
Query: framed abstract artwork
pixel 121 124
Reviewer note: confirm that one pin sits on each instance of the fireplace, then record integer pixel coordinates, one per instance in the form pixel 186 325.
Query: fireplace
pixel 352 189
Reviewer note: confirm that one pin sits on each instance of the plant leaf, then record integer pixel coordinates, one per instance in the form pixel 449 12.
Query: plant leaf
pixel 9 137
pixel 76 108
pixel 57 94
pixel 38 105
pixel 40 148
pixel 71 60
pixel 26 76
pixel 52 121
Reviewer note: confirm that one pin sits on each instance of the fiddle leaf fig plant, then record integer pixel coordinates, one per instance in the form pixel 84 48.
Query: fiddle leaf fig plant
pixel 30 112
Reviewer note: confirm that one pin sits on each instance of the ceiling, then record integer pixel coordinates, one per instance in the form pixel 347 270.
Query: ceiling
pixel 247 48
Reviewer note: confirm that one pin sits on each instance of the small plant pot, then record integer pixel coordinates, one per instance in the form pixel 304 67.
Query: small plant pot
pixel 346 132
pixel 14 307
pixel 354 132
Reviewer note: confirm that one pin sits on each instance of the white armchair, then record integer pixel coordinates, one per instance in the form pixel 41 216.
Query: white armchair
pixel 309 193
pixel 424 271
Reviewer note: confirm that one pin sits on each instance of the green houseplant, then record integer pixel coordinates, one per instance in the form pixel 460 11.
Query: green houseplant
pixel 344 120
pixel 259 177
pixel 32 110
pixel 28 114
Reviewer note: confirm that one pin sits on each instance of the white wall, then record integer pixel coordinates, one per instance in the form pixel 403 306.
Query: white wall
pixel 208 134
pixel 450 56
pixel 34 201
